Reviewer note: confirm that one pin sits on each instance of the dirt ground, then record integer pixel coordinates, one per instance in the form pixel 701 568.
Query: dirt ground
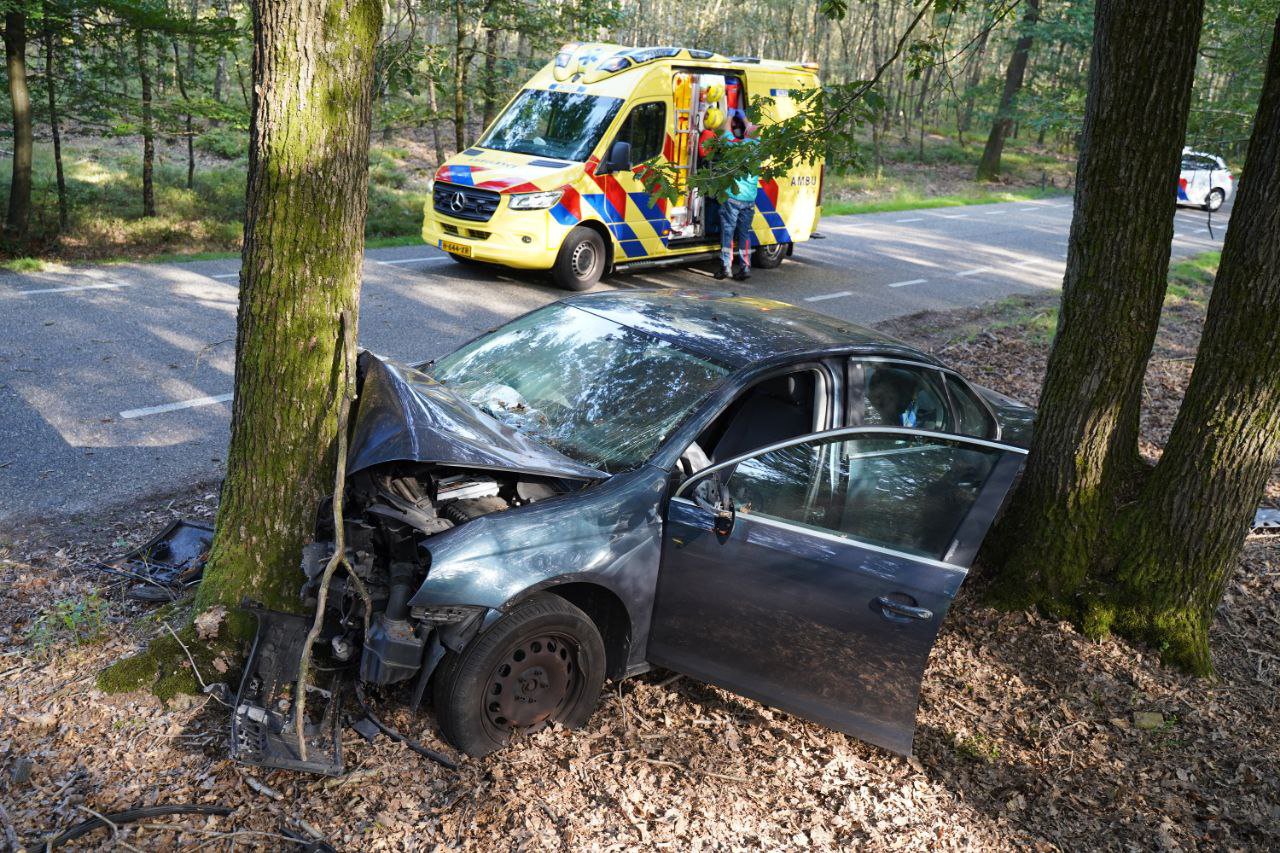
pixel 1029 735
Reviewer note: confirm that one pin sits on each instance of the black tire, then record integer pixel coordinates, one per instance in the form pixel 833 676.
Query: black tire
pixel 555 640
pixel 769 257
pixel 1215 200
pixel 581 261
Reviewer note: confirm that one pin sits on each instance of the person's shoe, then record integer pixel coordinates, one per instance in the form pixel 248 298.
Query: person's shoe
pixel 742 275
pixel 721 274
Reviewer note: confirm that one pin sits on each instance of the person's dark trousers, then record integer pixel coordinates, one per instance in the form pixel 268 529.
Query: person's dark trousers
pixel 735 226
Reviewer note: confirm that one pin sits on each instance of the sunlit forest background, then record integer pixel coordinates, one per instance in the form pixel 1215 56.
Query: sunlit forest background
pixel 121 87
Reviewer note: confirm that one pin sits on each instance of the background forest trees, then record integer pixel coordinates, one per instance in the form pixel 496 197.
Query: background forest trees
pixel 106 76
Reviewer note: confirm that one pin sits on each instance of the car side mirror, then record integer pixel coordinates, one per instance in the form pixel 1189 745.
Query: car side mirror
pixel 619 159
pixel 712 496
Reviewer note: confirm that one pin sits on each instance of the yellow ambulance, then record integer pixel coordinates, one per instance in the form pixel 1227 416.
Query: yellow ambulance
pixel 553 184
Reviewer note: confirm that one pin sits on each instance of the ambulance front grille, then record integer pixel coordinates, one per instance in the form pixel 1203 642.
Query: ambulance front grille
pixel 464 202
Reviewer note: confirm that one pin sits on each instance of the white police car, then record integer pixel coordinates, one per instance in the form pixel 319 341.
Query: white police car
pixel 1205 180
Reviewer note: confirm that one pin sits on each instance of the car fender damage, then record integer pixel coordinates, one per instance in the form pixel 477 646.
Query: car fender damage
pixel 422 463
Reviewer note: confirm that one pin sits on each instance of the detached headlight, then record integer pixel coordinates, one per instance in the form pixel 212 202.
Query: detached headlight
pixel 534 201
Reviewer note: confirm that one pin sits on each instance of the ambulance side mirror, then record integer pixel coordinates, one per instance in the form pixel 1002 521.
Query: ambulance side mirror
pixel 619 159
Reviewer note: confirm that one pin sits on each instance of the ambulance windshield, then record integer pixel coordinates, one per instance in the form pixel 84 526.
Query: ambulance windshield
pixel 563 125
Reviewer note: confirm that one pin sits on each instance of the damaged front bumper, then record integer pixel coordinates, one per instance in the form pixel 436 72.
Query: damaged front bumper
pixel 263 725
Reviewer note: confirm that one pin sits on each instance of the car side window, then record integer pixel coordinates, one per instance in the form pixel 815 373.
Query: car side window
pixel 645 128
pixel 906 494
pixel 785 484
pixel 910 494
pixel 971 417
pixel 902 396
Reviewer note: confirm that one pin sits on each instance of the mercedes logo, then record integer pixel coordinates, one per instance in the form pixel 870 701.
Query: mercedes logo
pixel 458 202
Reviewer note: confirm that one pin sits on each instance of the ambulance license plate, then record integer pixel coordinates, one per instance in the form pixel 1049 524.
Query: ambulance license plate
pixel 456 248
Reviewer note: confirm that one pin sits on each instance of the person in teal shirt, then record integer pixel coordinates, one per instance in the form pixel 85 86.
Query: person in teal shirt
pixel 737 210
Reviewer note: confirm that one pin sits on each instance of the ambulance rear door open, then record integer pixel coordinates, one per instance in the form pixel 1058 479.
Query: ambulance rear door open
pixel 690 214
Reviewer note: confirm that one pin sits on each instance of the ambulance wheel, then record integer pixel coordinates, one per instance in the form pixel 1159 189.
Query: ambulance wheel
pixel 581 260
pixel 1215 199
pixel 769 257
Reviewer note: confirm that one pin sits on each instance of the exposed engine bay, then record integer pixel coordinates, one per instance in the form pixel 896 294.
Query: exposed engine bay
pixel 370 632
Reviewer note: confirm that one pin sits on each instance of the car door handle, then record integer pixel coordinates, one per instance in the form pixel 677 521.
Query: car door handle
pixel 897 608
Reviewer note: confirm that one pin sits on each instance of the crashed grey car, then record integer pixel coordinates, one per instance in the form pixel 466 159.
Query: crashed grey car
pixel 764 498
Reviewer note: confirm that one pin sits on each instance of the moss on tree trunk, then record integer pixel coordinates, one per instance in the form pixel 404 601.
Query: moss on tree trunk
pixel 1084 455
pixel 1177 544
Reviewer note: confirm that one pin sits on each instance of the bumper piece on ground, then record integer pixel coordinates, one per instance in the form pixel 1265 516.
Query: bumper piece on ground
pixel 262 725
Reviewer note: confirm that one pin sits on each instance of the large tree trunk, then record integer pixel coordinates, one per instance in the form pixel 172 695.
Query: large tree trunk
pixel 301 267
pixel 148 128
pixel 1084 454
pixel 191 133
pixel 490 74
pixel 989 166
pixel 461 59
pixel 1178 544
pixel 50 79
pixel 15 51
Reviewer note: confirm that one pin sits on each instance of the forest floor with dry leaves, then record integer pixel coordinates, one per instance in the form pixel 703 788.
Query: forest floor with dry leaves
pixel 1029 734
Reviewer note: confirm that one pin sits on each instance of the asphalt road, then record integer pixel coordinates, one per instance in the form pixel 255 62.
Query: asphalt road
pixel 115 381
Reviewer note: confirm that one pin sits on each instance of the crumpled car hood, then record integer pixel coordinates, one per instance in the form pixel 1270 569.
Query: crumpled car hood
pixel 404 415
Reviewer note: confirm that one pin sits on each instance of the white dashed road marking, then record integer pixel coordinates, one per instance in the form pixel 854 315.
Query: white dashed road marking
pixel 974 271
pixel 912 219
pixel 173 407
pixel 826 296
pixel 70 289
pixel 909 281
pixel 226 275
pixel 1029 262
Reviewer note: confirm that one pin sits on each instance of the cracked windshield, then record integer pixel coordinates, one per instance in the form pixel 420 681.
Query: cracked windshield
pixel 600 393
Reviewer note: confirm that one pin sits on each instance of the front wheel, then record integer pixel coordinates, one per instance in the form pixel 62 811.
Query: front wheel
pixel 768 257
pixel 1215 199
pixel 581 260
pixel 542 662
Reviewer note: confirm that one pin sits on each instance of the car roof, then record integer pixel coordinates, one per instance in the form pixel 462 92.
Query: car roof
pixel 734 330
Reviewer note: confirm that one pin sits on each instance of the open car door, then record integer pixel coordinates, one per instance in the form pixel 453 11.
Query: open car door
pixel 813 575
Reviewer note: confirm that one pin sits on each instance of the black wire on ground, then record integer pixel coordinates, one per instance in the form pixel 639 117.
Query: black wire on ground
pixel 130 816
pixel 425 752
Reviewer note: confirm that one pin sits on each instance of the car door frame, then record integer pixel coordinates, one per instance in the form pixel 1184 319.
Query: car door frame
pixel 955 561
pixel 855 379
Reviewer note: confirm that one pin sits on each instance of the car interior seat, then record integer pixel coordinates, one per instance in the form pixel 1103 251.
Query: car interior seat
pixel 772 411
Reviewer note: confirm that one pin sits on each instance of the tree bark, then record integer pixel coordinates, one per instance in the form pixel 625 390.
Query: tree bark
pixel 1179 542
pixel 490 75
pixel 1084 454
pixel 148 129
pixel 461 59
pixel 191 133
pixel 989 166
pixel 50 80
pixel 15 51
pixel 303 251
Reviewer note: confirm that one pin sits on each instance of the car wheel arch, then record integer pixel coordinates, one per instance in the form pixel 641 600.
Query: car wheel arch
pixel 602 605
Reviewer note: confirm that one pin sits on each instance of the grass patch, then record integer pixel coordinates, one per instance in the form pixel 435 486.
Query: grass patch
pixel 73 620
pixel 912 200
pixel 204 222
pixel 1192 280
pixel 22 265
